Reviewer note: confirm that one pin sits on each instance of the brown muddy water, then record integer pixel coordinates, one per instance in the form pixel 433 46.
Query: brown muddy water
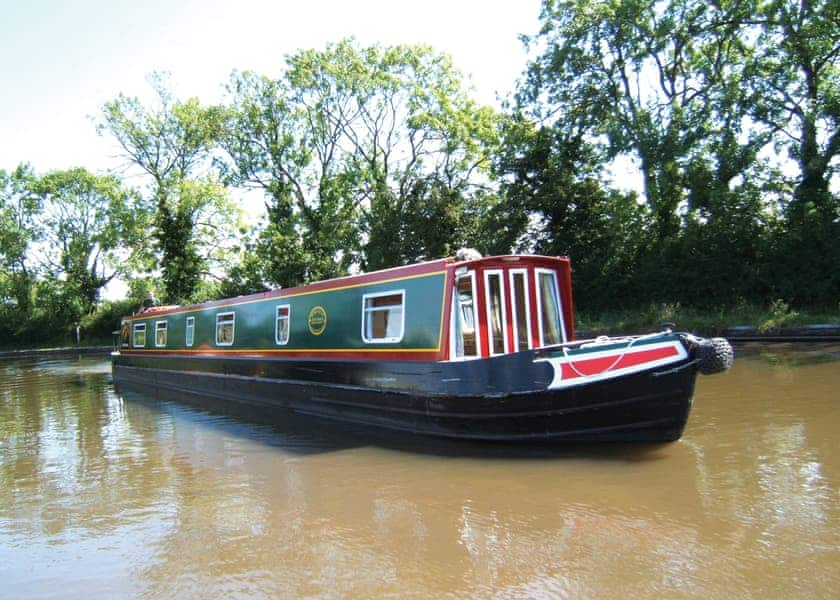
pixel 112 495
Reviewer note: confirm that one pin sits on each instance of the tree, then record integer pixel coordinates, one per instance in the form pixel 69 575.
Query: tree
pixel 554 202
pixel 795 79
pixel 350 146
pixel 265 150
pixel 20 210
pixel 173 144
pixel 698 94
pixel 93 231
pixel 650 78
pixel 274 146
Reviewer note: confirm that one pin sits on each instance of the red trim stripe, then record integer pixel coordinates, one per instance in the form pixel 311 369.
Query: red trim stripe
pixel 613 362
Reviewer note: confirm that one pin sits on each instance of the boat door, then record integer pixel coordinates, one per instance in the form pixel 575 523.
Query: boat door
pixel 503 308
pixel 552 329
pixel 496 306
pixel 465 341
pixel 510 295
pixel 520 310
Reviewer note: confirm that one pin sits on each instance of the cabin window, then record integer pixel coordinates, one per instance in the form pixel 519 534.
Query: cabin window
pixel 496 318
pixel 281 325
pixel 190 332
pixel 139 338
pixel 160 334
pixel 383 318
pixel 224 328
pixel 520 310
pixel 464 333
pixel 551 325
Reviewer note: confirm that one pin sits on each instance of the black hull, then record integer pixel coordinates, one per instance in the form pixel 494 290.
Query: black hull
pixel 501 399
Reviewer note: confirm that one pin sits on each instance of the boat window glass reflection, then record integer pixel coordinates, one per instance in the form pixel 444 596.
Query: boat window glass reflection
pixel 224 328
pixel 160 334
pixel 551 326
pixel 383 318
pixel 281 325
pixel 495 311
pixel 139 340
pixel 464 333
pixel 190 334
pixel 520 310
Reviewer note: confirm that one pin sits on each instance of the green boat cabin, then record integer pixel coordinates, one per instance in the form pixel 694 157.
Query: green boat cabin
pixel 439 310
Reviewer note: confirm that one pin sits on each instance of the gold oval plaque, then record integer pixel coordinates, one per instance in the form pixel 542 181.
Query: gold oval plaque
pixel 317 320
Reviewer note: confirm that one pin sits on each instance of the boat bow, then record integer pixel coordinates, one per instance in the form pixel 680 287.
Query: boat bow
pixel 605 357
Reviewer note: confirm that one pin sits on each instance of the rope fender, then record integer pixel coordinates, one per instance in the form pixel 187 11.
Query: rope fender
pixel 715 355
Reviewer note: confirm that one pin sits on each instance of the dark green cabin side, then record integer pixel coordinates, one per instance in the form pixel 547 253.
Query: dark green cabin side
pixel 398 315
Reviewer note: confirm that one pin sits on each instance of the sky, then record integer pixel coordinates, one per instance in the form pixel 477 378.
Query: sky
pixel 61 60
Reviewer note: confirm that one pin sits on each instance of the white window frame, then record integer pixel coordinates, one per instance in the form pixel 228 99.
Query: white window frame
pixel 189 332
pixel 367 311
pixel 488 305
pixel 514 313
pixel 538 292
pixel 456 316
pixel 232 322
pixel 137 328
pixel 288 319
pixel 165 330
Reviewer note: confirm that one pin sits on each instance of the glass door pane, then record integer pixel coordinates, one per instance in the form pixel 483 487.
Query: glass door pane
pixel 520 311
pixel 465 333
pixel 496 318
pixel 551 327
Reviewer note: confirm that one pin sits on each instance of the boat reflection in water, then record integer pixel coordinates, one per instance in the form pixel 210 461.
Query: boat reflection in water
pixel 367 513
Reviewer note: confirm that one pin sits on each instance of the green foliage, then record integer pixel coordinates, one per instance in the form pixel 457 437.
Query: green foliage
pixel 170 141
pixel 708 321
pixel 195 230
pixel 637 78
pixel 795 84
pixel 805 257
pixel 173 143
pixel 92 226
pixel 698 94
pixel 361 152
pixel 555 204
pixel 98 327
pixel 780 315
pixel 49 316
pixel 20 210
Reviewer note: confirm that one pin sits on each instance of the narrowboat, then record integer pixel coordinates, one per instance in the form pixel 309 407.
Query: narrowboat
pixel 462 347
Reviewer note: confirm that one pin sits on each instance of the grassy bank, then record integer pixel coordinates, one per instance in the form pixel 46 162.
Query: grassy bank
pixel 66 343
pixel 767 320
pixel 93 330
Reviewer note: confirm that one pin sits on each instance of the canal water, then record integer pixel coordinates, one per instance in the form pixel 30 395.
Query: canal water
pixel 107 494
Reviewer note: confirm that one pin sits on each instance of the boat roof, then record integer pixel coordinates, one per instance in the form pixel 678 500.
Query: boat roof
pixel 382 275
